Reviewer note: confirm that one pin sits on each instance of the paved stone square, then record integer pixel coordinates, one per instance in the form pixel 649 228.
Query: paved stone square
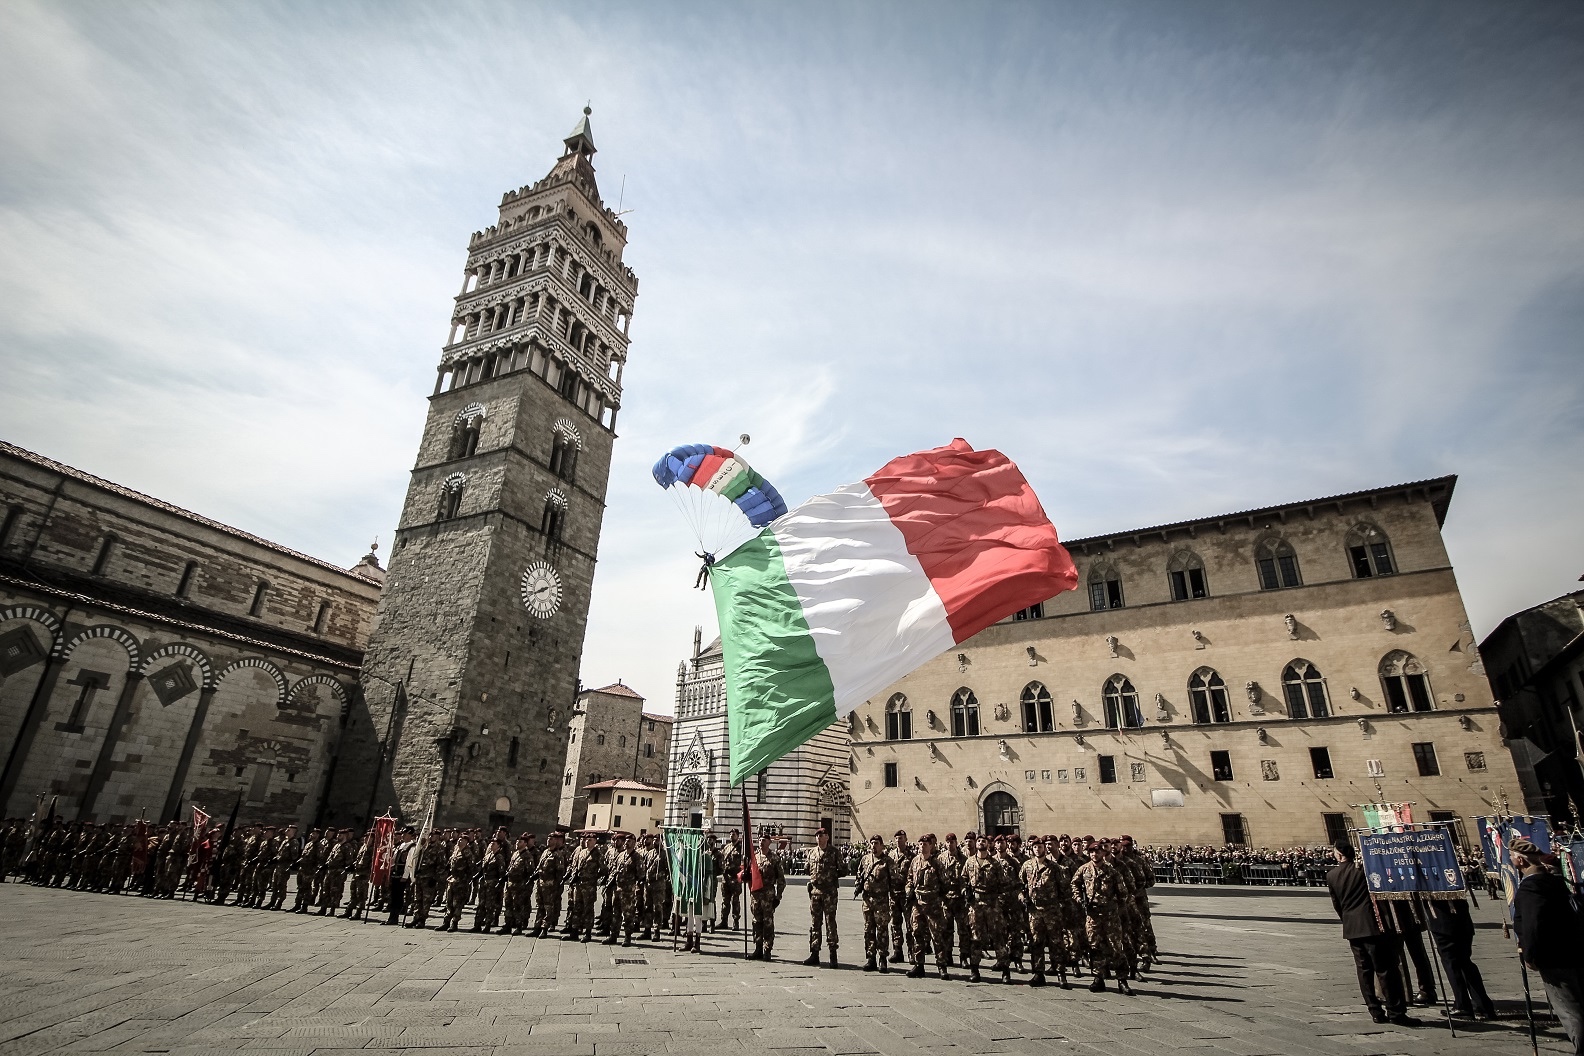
pixel 1246 972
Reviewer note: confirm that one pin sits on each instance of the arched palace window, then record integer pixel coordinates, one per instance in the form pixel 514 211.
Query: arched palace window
pixel 1207 697
pixel 964 713
pixel 1277 564
pixel 1305 691
pixel 1406 684
pixel 1186 575
pixel 1038 715
pixel 898 718
pixel 1121 704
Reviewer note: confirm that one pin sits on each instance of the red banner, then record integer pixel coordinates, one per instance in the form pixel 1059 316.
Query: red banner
pixel 200 820
pixel 140 848
pixel 384 850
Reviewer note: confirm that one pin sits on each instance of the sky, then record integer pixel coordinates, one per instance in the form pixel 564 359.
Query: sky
pixel 1176 259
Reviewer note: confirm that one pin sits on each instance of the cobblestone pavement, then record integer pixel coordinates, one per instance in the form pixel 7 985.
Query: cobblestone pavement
pixel 1246 973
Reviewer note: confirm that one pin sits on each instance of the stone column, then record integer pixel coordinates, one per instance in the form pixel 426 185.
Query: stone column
pixel 101 768
pixel 37 707
pixel 179 779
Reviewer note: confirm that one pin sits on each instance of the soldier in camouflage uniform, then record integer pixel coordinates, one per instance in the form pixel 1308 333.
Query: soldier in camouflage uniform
pixel 427 876
pixel 622 891
pixel 901 861
pixel 288 848
pixel 265 852
pixel 583 875
pixel 333 873
pixel 1143 880
pixel 550 874
pixel 874 885
pixel 925 892
pixel 1043 880
pixel 461 869
pixel 517 895
pixel 1095 887
pixel 983 883
pixel 656 889
pixel 362 866
pixel 307 873
pixel 491 878
pixel 1013 920
pixel 731 881
pixel 766 899
pixel 958 933
pixel 824 877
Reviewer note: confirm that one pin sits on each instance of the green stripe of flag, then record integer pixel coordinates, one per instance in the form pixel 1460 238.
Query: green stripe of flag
pixel 778 691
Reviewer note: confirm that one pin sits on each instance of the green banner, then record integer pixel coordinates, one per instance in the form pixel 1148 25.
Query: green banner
pixel 692 871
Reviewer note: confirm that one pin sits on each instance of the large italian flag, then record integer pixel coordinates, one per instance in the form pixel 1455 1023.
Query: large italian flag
pixel 845 594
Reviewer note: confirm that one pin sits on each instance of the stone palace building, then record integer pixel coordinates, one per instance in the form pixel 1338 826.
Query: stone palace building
pixel 1247 679
pixel 610 738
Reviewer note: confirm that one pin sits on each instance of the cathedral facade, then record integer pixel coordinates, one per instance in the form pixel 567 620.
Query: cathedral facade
pixel 471 674
pixel 1246 679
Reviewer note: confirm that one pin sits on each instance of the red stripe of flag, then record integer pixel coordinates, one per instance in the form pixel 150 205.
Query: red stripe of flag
pixel 977 530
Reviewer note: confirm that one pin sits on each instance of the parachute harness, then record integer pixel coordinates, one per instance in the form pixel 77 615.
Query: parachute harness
pixel 702 582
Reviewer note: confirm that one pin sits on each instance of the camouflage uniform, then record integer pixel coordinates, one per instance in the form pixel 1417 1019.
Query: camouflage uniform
pixel 925 891
pixel 958 931
pixel 583 875
pixel 731 885
pixel 1043 881
pixel 362 866
pixel 765 900
pixel 308 874
pixel 332 876
pixel 288 849
pixel 491 875
pixel 427 876
pixel 1013 919
pixel 824 873
pixel 463 867
pixel 656 891
pixel 982 883
pixel 552 868
pixel 1095 888
pixel 1143 880
pixel 517 896
pixel 901 861
pixel 621 892
pixel 874 881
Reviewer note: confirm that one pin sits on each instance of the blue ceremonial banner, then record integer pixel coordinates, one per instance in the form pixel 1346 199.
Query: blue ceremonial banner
pixel 1416 862
pixel 1496 837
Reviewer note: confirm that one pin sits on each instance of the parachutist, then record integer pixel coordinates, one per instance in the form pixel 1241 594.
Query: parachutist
pixel 702 582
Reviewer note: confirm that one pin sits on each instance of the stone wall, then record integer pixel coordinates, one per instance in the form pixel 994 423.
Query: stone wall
pixel 137 678
pixel 611 737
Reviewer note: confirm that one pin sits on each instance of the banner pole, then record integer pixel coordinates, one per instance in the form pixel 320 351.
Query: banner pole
pixel 1534 1042
pixel 745 875
pixel 1446 1003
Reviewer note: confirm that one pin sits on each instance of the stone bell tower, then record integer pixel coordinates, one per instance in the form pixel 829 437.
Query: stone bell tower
pixel 472 668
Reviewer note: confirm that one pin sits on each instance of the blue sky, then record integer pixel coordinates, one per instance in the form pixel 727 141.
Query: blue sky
pixel 1176 259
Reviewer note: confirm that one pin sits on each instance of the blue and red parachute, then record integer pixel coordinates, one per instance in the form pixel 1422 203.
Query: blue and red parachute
pixel 723 497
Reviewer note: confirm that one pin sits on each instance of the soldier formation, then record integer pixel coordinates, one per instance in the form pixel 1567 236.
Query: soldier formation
pixel 1066 904
pixel 1048 905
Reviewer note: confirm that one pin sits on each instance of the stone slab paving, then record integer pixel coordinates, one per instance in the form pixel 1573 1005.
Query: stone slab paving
pixel 1247 972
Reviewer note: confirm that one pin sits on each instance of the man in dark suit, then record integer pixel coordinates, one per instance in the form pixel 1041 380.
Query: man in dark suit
pixel 1550 936
pixel 1376 953
pixel 1452 928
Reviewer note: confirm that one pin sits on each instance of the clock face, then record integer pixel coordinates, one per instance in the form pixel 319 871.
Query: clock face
pixel 541 589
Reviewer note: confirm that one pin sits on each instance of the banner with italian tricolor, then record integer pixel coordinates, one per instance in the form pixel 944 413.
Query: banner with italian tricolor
pixel 842 596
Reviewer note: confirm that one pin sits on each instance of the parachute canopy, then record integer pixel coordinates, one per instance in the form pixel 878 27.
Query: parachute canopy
pixel 722 496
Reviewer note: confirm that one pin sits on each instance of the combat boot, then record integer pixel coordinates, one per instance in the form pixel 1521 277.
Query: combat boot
pixel 1122 985
pixel 869 963
pixel 1006 975
pixel 812 960
pixel 758 954
pixel 944 974
pixel 833 957
pixel 917 972
pixel 627 941
pixel 1098 986
pixel 588 936
pixel 973 974
pixel 885 966
pixel 1038 980
pixel 610 941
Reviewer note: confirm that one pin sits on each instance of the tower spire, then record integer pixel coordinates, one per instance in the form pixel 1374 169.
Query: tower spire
pixel 581 140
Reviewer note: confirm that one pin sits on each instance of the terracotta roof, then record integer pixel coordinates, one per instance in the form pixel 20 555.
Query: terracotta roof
pixel 616 689
pixel 657 717
pixel 624 783
pixel 24 455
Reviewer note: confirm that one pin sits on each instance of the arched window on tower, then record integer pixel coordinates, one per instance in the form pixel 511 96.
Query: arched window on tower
pixel 899 718
pixel 1105 587
pixel 451 496
pixel 1121 704
pixel 1038 715
pixel 1186 574
pixel 565 444
pixel 554 519
pixel 1406 684
pixel 465 437
pixel 1207 697
pixel 1305 691
pixel 1277 564
pixel 1369 551
pixel 964 713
